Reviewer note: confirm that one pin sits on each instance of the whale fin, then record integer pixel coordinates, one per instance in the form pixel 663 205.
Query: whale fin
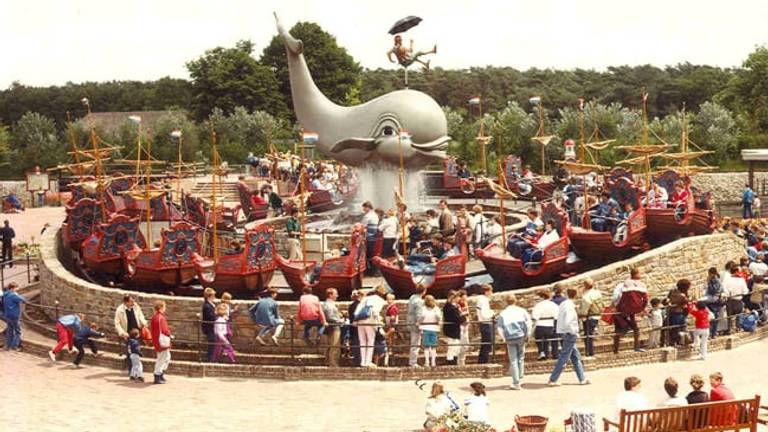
pixel 296 46
pixel 367 144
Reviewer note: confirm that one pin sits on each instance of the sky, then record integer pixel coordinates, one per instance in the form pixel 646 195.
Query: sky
pixel 51 42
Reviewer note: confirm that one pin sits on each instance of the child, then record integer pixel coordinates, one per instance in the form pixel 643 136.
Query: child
pixel 226 300
pixel 477 404
pixel 134 354
pixel 220 331
pixel 655 321
pixel 83 337
pixel 701 313
pixel 748 321
pixel 380 347
pixel 391 317
pixel 429 324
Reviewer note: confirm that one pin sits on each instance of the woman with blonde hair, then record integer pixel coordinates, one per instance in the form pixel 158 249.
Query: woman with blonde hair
pixel 438 405
pixel 429 326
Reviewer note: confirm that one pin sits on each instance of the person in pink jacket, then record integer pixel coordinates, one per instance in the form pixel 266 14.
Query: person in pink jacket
pixel 161 339
pixel 310 313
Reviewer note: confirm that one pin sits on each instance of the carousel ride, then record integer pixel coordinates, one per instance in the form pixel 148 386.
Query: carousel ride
pixel 154 232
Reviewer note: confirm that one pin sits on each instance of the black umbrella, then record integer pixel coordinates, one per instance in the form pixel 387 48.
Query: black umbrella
pixel 405 24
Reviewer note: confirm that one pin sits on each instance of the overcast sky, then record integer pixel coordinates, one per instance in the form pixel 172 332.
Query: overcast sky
pixel 54 41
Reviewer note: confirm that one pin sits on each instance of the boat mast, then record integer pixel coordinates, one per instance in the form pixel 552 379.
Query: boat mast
pixel 481 139
pixel 97 160
pixel 541 133
pixel 178 134
pixel 503 182
pixel 214 208
pixel 302 209
pixel 645 143
pixel 582 159
pixel 75 150
pixel 401 211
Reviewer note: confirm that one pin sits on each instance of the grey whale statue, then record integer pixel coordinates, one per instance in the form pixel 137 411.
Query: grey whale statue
pixel 366 133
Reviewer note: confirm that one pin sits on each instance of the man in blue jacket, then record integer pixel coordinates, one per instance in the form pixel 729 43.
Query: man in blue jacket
pixel 747 198
pixel 514 326
pixel 266 315
pixel 12 312
pixel 82 338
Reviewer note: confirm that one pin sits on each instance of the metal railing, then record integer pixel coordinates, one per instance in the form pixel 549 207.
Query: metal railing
pixel 18 267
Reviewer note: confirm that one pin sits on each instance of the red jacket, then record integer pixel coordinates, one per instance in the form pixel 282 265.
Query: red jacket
pixel 701 316
pixel 728 415
pixel 159 325
pixel 634 297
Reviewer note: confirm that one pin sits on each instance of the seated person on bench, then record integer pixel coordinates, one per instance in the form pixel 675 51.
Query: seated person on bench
pixel 520 241
pixel 600 213
pixel 536 252
pixel 424 264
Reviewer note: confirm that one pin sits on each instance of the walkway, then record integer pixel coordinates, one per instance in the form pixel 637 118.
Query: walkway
pixel 53 397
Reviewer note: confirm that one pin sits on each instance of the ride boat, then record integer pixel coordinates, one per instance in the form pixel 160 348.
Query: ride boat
pixel 344 273
pixel 509 272
pixel 251 211
pixel 244 274
pixel 103 252
pixel 526 188
pixel 81 219
pixel 449 275
pixel 168 266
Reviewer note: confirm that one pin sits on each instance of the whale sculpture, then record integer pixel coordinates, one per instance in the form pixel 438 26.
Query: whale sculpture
pixel 368 133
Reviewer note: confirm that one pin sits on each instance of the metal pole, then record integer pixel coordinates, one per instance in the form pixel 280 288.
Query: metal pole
pixel 493 340
pixel 199 352
pixel 29 272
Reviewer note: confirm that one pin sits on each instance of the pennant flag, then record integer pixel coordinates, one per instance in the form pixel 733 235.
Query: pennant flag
pixel 474 101
pixel 84 101
pixel 176 134
pixel 134 118
pixel 535 100
pixel 581 104
pixel 310 137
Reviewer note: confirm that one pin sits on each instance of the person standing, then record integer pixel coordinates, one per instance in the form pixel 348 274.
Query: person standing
pixel 354 340
pixel 700 313
pixel 734 290
pixel 66 327
pixel 293 231
pixel 333 323
pixel 713 298
pixel 389 231
pixel 568 328
pixel 429 326
pixel 590 311
pixel 129 316
pixel 677 311
pixel 543 314
pixel 631 298
pixel 747 198
pixel 208 319
pixel 12 301
pixel 452 320
pixel 82 338
pixel 220 331
pixel 310 314
pixel 8 234
pixel 445 220
pixel 266 315
pixel 479 234
pixel 485 318
pixel 368 319
pixel 133 346
pixel 415 309
pixel 161 340
pixel 514 327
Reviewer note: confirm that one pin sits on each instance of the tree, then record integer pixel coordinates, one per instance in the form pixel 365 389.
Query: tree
pixel 715 129
pixel 242 132
pixel 515 127
pixel 5 146
pixel 747 91
pixel 36 143
pixel 165 147
pixel 334 71
pixel 229 77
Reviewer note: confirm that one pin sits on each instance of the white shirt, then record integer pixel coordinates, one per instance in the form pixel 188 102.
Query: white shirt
pixel 220 327
pixel 484 311
pixel 734 286
pixel 316 184
pixel 371 218
pixel 388 227
pixel 377 303
pixel 587 299
pixel 631 401
pixel 515 314
pixel 758 268
pixel 494 233
pixel 567 318
pixel 477 409
pixel 481 226
pixel 548 238
pixel 674 402
pixel 655 318
pixel 437 407
pixel 544 313
pixel 430 318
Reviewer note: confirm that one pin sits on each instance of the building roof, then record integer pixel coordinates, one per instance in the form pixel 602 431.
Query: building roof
pixel 754 155
pixel 111 121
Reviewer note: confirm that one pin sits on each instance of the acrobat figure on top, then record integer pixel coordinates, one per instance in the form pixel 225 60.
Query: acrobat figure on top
pixel 406 56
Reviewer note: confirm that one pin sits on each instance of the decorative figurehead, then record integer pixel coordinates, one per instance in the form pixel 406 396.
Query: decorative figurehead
pixel 369 133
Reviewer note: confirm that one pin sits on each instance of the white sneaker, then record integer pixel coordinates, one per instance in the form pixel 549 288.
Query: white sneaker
pixel 515 387
pixel 553 384
pixel 274 340
pixel 260 340
pixel 585 382
pixel 52 356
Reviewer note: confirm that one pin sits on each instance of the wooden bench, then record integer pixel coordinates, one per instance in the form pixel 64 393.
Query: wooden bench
pixel 732 415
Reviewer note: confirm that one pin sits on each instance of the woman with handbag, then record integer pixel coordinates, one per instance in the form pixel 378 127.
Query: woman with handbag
pixel 161 339
pixel 367 317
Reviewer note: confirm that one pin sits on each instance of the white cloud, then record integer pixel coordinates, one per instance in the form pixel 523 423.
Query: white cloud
pixel 52 42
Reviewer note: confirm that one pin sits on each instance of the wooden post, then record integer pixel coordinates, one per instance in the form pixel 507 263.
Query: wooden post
pixel 752 175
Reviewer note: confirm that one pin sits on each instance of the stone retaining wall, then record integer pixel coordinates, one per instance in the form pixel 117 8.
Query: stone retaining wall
pixel 660 268
pixel 727 187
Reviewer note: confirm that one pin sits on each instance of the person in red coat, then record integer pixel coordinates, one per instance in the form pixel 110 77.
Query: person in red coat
pixel 723 415
pixel 161 339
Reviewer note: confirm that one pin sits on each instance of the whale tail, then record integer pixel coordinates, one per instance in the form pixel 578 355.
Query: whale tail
pixel 295 46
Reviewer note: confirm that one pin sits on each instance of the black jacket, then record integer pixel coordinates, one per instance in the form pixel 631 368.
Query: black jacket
pixel 209 316
pixel 452 320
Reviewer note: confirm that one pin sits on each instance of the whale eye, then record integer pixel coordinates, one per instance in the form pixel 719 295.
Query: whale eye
pixel 388 130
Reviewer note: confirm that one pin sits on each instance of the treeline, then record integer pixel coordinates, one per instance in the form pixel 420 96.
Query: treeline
pixel 248 98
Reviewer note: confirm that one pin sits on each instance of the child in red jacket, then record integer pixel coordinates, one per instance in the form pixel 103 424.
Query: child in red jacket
pixel 700 313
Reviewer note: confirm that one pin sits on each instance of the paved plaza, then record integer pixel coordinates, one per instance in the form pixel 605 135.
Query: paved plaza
pixel 53 397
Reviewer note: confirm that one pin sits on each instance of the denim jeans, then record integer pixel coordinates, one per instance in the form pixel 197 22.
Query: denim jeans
pixel 677 322
pixel 546 338
pixel 590 325
pixel 486 333
pixel 516 354
pixel 715 308
pixel 569 352
pixel 308 324
pixel 12 333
